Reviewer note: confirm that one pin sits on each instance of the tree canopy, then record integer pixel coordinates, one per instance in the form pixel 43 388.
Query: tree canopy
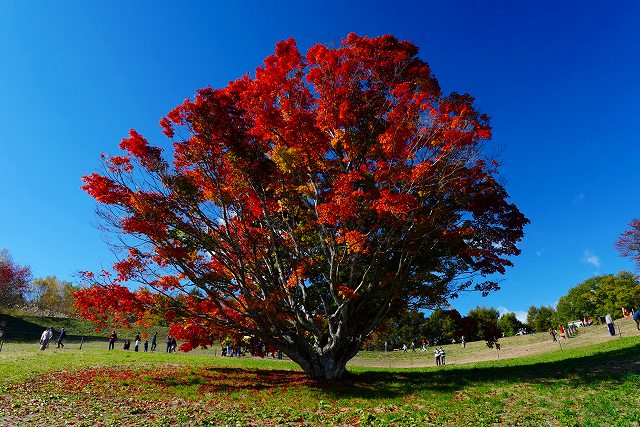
pixel 600 295
pixel 541 318
pixel 14 281
pixel 509 324
pixel 628 244
pixel 52 296
pixel 300 205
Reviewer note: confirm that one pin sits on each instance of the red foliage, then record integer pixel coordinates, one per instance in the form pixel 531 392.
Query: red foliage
pixel 628 244
pixel 14 281
pixel 340 170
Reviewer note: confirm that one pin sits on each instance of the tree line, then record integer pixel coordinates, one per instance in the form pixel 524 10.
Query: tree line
pixel 46 296
pixel 593 299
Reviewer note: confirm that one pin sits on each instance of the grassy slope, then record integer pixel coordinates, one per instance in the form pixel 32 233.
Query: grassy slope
pixel 586 385
pixel 26 328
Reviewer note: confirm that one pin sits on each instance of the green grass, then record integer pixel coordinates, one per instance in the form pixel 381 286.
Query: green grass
pixel 19 327
pixel 584 386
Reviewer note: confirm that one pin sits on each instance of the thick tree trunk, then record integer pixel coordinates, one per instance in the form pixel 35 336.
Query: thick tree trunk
pixel 325 365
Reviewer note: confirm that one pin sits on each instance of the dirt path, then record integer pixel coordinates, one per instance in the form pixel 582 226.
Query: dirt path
pixel 511 347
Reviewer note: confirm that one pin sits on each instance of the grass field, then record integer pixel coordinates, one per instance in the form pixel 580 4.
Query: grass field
pixel 592 381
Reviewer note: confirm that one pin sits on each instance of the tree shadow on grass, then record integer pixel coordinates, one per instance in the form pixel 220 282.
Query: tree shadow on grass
pixel 611 366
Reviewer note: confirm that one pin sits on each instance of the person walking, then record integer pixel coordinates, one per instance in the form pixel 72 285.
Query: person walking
pixel 45 338
pixel 112 340
pixel 61 337
pixel 610 325
pixel 169 342
pixel 154 340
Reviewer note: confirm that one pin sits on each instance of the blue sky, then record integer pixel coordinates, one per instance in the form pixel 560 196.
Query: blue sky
pixel 560 80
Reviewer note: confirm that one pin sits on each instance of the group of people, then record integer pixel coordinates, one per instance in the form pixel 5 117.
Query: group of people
pixel 47 335
pixel 569 331
pixel 172 344
pixel 412 346
pixel 440 355
pixel 146 346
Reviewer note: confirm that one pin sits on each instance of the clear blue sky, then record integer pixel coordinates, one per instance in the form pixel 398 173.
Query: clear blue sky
pixel 560 80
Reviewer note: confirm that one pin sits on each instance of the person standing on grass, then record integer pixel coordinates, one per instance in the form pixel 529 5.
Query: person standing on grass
pixel 610 325
pixel 154 340
pixel 636 318
pixel 61 337
pixel 174 345
pixel 562 333
pixel 45 338
pixel 146 346
pixel 136 344
pixel 169 344
pixel 112 340
pixel 464 343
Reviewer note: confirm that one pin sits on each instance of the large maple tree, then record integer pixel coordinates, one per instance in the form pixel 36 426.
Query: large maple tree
pixel 302 204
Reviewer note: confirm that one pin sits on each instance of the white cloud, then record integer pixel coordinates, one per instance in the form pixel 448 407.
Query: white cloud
pixel 591 258
pixel 520 315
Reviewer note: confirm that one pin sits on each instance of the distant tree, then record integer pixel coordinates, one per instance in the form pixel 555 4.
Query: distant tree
pixel 14 281
pixel 540 319
pixel 53 296
pixel 578 303
pixel 509 324
pixel 486 321
pixel 600 295
pixel 616 292
pixel 628 244
pixel 404 328
pixel 443 325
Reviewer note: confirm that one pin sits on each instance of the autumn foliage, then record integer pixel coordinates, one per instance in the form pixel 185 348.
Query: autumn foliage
pixel 628 244
pixel 14 281
pixel 301 204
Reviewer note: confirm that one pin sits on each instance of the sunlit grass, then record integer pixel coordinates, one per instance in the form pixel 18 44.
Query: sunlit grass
pixel 589 385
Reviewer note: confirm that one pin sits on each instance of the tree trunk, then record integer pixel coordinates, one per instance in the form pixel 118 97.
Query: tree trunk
pixel 322 364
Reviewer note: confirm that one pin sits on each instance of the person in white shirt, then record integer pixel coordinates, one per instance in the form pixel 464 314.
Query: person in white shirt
pixel 612 329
